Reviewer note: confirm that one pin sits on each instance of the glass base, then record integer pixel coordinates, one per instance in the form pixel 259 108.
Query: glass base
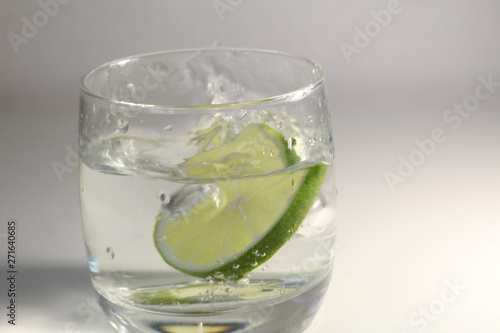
pixel 292 315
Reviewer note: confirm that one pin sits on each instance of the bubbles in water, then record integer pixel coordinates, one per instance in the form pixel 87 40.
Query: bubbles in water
pixel 110 252
pixel 279 125
pixel 254 264
pixel 169 127
pixel 160 70
pixel 190 196
pixel 122 125
pixel 209 279
pixel 240 115
pixel 310 119
pixel 218 275
pixel 256 252
pixel 236 266
pixel 165 198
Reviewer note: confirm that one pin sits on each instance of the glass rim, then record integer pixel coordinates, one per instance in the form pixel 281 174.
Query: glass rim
pixel 318 79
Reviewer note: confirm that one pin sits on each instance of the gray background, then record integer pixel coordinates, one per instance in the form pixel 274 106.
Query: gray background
pixel 401 249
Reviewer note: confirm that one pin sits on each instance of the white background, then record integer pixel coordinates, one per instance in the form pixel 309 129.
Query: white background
pixel 400 247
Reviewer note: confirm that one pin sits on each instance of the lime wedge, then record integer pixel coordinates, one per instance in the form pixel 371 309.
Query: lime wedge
pixel 229 226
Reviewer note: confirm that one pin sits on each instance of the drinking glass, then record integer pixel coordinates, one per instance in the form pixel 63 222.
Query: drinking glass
pixel 207 190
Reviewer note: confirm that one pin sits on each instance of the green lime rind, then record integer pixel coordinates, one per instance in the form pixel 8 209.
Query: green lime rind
pixel 309 182
pixel 274 239
pixel 280 233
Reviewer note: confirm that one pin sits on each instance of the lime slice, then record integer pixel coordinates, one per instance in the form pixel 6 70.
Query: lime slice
pixel 228 227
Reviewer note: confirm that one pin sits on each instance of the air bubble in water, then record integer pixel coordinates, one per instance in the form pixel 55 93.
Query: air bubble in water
pixel 122 125
pixel 168 127
pixel 165 198
pixel 236 266
pixel 279 125
pixel 254 264
pixel 160 69
pixel 110 252
pixel 256 252
pixel 240 116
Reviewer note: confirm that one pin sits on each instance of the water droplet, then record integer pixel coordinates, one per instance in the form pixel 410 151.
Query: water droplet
pixel 110 252
pixel 168 127
pixel 263 254
pixel 254 264
pixel 245 280
pixel 165 198
pixel 122 125
pixel 218 275
pixel 279 124
pixel 240 115
pixel 160 69
pixel 236 266
pixel 255 252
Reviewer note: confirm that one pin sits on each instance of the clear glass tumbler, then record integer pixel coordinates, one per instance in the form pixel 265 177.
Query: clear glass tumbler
pixel 207 190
